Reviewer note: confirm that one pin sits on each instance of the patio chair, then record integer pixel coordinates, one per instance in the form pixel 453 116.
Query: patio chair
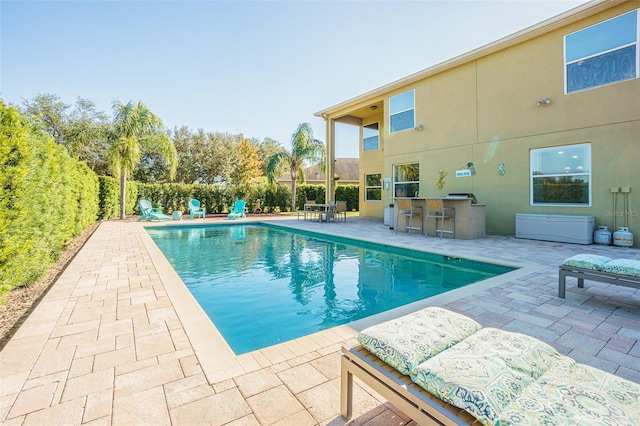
pixel 437 210
pixel 196 209
pixel 237 210
pixel 341 210
pixel 408 209
pixel 148 212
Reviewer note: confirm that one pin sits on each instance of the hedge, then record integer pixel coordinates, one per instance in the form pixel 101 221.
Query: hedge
pixel 46 199
pixel 216 199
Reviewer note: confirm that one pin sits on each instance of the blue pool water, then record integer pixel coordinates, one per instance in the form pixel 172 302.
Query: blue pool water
pixel 262 284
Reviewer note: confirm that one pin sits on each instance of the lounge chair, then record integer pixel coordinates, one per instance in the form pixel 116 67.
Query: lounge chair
pixel 237 210
pixel 148 212
pixel 434 363
pixel 625 272
pixel 195 209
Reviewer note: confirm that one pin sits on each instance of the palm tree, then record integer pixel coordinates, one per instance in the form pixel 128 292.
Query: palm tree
pixel 135 130
pixel 303 148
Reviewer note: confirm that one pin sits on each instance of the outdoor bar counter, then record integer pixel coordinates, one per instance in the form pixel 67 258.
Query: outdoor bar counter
pixel 470 218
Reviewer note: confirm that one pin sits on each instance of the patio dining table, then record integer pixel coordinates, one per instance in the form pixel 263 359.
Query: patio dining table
pixel 321 210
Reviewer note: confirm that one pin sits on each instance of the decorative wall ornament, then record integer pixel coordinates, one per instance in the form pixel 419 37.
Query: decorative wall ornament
pixel 501 170
pixel 441 176
pixel 471 168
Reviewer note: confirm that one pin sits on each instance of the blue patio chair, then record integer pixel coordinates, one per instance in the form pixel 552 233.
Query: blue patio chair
pixel 196 209
pixel 148 212
pixel 237 210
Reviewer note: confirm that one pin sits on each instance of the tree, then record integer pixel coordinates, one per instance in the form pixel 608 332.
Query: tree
pixel 303 148
pixel 248 167
pixel 267 148
pixel 82 129
pixel 136 130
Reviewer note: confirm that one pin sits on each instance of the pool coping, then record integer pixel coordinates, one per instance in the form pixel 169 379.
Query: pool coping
pixel 220 363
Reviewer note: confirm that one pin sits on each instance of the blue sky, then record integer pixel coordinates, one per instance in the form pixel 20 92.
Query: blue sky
pixel 255 67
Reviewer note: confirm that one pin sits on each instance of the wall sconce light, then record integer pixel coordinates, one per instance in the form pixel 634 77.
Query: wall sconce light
pixel 471 168
pixel 418 127
pixel 544 101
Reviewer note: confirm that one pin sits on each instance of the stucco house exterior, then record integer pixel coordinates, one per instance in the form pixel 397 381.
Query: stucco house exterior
pixel 546 121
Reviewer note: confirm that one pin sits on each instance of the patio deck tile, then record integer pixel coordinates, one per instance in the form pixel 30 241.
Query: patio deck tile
pixel 117 339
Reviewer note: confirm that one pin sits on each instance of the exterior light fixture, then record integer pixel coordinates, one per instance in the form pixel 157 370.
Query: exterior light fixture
pixel 373 107
pixel 544 101
pixel 418 127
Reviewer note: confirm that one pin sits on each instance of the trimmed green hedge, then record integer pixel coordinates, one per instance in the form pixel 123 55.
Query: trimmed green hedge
pixel 348 193
pixel 46 199
pixel 110 197
pixel 217 199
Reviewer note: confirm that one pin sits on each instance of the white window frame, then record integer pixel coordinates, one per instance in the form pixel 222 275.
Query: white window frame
pixel 393 112
pixel 365 137
pixel 560 150
pixel 366 188
pixel 396 183
pixel 636 43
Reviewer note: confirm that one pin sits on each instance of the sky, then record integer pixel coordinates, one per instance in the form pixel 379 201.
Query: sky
pixel 259 68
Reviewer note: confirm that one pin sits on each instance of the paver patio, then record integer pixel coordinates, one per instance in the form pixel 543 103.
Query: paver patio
pixel 118 340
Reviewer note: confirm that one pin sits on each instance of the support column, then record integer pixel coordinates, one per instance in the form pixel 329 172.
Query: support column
pixel 330 183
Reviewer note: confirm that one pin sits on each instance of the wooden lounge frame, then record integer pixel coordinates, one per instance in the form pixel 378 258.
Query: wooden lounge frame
pixel 593 275
pixel 423 407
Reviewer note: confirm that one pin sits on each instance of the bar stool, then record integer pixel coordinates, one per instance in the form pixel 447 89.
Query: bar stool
pixel 407 209
pixel 437 210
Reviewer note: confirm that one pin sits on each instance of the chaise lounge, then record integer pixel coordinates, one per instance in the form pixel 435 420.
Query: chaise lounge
pixel 624 272
pixel 148 212
pixel 444 368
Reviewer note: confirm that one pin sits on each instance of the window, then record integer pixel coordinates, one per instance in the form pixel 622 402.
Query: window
pixel 370 137
pixel 602 54
pixel 561 175
pixel 373 187
pixel 402 111
pixel 406 180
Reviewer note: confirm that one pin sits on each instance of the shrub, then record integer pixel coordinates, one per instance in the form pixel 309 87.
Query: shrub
pixel 46 199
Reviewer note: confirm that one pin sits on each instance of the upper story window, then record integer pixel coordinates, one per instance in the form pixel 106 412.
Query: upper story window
pixel 561 175
pixel 402 111
pixel 370 137
pixel 602 54
pixel 373 187
pixel 406 180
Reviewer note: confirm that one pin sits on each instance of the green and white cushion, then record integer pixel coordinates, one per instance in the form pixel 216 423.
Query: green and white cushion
pixel 407 341
pixel 623 267
pixel 587 261
pixel 576 394
pixel 485 373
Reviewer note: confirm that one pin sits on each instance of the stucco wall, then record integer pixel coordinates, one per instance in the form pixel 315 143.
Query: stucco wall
pixel 486 112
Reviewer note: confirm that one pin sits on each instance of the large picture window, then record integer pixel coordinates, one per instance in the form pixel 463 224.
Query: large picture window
pixel 406 180
pixel 370 137
pixel 602 54
pixel 561 175
pixel 402 111
pixel 373 187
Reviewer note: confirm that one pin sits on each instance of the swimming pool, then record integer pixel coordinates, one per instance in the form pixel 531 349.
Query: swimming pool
pixel 262 284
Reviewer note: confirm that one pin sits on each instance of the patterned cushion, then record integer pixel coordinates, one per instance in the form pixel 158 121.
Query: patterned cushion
pixel 623 267
pixel 572 393
pixel 405 342
pixel 487 372
pixel 587 261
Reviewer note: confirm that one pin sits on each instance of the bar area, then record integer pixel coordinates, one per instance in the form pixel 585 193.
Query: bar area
pixel 464 219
